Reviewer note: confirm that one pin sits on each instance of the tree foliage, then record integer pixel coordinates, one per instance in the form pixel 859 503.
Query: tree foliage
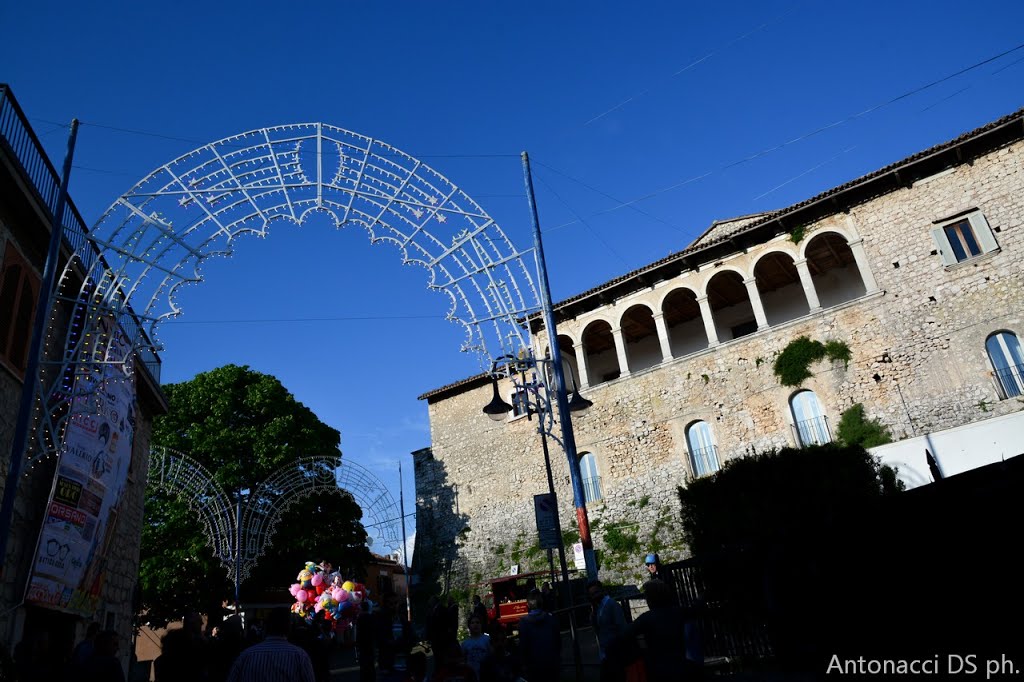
pixel 242 426
pixel 756 500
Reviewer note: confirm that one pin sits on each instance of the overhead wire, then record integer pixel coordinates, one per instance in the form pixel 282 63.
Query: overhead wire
pixel 800 138
pixel 585 223
pixel 691 65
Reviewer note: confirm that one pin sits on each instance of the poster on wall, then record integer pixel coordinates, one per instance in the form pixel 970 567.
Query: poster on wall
pixel 68 570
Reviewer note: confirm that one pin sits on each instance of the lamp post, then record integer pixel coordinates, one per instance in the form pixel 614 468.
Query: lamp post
pixel 532 394
pixel 561 396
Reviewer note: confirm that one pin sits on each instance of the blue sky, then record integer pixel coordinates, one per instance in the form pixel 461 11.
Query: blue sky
pixel 700 111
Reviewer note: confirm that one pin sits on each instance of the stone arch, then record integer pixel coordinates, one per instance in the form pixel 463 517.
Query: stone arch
pixel 640 337
pixel 683 322
pixel 731 309
pixel 780 288
pixel 833 267
pixel 599 350
pixel 155 238
pixel 711 274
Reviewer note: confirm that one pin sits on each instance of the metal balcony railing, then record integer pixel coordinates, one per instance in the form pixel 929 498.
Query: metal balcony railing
pixel 812 431
pixel 592 489
pixel 22 146
pixel 705 461
pixel 1011 380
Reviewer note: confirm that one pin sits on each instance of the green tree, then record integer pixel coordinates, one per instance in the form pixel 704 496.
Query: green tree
pixel 754 501
pixel 242 426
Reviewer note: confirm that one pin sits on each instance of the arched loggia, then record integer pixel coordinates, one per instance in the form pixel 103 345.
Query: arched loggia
pixel 155 238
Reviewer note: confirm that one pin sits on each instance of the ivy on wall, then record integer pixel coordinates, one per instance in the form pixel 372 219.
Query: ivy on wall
pixel 796 235
pixel 793 365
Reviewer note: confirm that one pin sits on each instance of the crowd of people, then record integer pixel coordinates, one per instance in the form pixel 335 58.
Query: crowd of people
pixel 662 643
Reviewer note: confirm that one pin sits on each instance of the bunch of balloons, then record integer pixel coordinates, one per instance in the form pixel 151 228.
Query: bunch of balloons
pixel 318 592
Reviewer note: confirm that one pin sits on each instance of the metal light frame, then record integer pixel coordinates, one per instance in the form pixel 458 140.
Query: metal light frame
pixel 239 528
pixel 154 240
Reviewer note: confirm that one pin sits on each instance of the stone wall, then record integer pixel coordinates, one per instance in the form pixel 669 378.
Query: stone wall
pixel 29 233
pixel 918 364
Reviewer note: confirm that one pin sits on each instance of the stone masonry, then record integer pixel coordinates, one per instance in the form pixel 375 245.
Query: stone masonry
pixel 917 336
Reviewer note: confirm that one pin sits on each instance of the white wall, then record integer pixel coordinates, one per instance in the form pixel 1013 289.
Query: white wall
pixel 784 304
pixel 688 337
pixel 727 318
pixel 643 353
pixel 838 285
pixel 956 450
pixel 601 364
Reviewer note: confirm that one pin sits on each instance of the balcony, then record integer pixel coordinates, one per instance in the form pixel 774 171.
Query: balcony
pixel 592 489
pixel 812 431
pixel 1011 381
pixel 704 461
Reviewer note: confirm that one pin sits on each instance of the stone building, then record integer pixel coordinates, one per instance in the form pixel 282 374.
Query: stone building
pixel 917 269
pixel 28 190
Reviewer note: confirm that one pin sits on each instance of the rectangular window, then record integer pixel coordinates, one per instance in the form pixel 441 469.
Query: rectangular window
pixel 964 237
pixel 19 288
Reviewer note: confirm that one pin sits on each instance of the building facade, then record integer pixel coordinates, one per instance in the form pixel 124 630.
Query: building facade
pixel 28 187
pixel 917 270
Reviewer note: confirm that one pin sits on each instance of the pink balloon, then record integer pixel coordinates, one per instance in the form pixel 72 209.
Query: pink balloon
pixel 294 589
pixel 343 595
pixel 301 596
pixel 338 594
pixel 318 608
pixel 317 579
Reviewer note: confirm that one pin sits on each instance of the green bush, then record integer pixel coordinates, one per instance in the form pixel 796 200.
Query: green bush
pixel 856 429
pixel 759 499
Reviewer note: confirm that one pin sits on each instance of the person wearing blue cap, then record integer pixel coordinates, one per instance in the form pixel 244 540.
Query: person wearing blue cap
pixel 653 564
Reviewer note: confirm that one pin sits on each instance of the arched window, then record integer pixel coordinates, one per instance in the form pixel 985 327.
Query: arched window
pixel 703 451
pixel 1008 362
pixel 808 420
pixel 591 481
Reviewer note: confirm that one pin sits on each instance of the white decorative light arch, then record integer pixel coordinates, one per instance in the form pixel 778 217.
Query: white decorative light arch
pixel 261 509
pixel 155 238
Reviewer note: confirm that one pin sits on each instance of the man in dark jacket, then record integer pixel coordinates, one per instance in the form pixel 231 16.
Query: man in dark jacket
pixel 540 642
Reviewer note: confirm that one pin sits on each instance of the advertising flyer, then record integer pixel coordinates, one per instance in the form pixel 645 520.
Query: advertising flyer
pixel 91 474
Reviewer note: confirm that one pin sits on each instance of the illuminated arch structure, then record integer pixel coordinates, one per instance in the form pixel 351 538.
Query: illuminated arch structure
pixel 181 475
pixel 154 239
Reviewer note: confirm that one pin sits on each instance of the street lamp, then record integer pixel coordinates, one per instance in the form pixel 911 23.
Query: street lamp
pixel 533 395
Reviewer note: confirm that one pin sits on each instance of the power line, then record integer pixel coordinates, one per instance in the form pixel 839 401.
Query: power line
pixel 585 223
pixel 691 65
pixel 609 196
pixel 800 138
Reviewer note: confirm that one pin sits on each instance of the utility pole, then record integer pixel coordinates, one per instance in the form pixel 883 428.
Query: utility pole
pixel 35 350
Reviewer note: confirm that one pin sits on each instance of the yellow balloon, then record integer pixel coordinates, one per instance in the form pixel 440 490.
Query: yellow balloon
pixel 347 585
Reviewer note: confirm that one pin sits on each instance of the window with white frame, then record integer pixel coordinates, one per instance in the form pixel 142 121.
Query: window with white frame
pixel 964 237
pixel 1008 363
pixel 809 421
pixel 703 451
pixel 591 479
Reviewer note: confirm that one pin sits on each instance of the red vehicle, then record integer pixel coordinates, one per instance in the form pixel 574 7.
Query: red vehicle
pixel 505 597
